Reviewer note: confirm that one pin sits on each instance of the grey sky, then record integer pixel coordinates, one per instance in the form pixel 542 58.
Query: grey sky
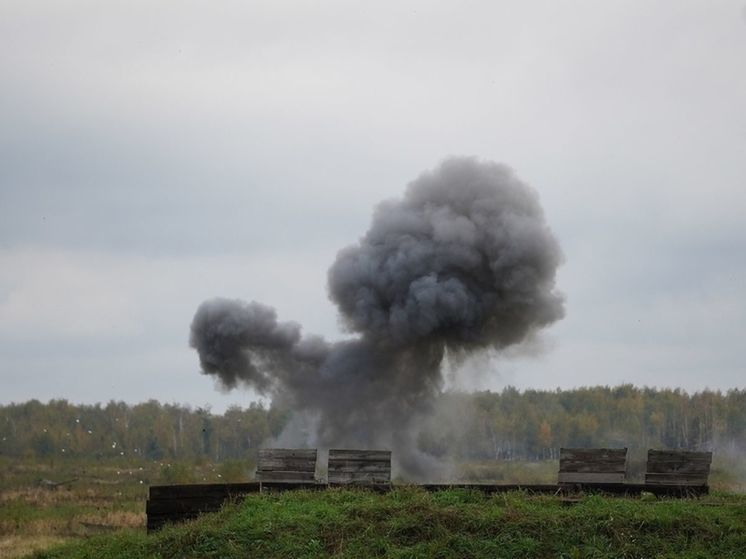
pixel 156 154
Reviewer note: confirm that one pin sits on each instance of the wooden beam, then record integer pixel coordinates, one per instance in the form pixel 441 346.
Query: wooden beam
pixel 202 490
pixel 590 477
pixel 359 467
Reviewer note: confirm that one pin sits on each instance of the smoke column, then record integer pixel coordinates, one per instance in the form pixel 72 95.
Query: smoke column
pixel 464 262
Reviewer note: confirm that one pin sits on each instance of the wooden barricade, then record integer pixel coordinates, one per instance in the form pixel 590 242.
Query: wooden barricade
pixel 286 465
pixel 177 503
pixel 678 467
pixel 669 472
pixel 359 467
pixel 592 466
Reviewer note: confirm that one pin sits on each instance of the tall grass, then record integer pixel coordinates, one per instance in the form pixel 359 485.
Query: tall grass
pixel 409 522
pixel 108 495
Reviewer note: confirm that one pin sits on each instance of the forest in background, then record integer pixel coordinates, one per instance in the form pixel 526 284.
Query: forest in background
pixel 506 425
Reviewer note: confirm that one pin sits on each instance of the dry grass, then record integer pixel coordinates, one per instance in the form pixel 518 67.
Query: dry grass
pixel 19 536
pixel 42 497
pixel 12 547
pixel 114 519
pixel 104 498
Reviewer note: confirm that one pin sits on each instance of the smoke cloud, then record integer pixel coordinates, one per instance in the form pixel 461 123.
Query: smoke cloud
pixel 463 263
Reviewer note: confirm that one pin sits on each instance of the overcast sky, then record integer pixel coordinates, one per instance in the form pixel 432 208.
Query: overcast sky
pixel 154 154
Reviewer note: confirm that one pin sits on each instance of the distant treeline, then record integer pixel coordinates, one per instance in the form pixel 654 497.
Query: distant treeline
pixel 150 430
pixel 507 425
pixel 534 424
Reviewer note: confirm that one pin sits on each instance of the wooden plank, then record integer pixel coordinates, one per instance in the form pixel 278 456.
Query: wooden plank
pixel 590 477
pixel 350 454
pixel 591 456
pixel 595 460
pixel 594 452
pixel 593 467
pixel 676 479
pixel 679 459
pixel 360 475
pixel 575 459
pixel 671 459
pixel 364 467
pixel 291 485
pixel 678 467
pixel 174 506
pixel 677 490
pixel 285 476
pixel 345 460
pixel 680 475
pixel 346 478
pixel 287 464
pixel 600 455
pixel 376 487
pixel 288 468
pixel 288 453
pixel 682 467
pixel 363 477
pixel 202 490
pixel 176 503
pixel 679 454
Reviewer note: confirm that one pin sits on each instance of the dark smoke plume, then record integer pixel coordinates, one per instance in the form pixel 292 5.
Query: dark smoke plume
pixel 464 262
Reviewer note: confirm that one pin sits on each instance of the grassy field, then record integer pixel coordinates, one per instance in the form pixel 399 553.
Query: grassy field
pixel 107 500
pixel 102 497
pixel 410 522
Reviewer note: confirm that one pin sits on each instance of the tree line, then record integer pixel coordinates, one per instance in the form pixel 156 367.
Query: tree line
pixel 534 424
pixel 148 430
pixel 505 425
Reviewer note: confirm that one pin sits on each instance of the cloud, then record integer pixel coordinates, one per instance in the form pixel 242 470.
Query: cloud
pixel 152 153
pixel 50 294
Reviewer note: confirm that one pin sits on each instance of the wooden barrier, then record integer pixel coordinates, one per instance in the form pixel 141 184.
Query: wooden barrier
pixel 672 473
pixel 177 503
pixel 592 466
pixel 287 465
pixel 359 467
pixel 678 467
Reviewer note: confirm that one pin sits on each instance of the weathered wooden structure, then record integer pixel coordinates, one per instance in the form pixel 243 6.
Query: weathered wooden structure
pixel 672 473
pixel 678 467
pixel 591 466
pixel 287 465
pixel 177 503
pixel 359 467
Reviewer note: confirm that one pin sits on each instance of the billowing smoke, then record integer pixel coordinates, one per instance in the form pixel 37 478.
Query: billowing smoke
pixel 463 263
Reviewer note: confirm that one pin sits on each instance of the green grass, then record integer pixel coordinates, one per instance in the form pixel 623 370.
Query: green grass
pixel 108 497
pixel 412 523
